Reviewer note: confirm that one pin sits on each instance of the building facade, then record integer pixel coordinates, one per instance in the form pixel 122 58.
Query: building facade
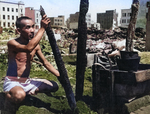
pixel 125 17
pixel 108 20
pixel 73 20
pixel 57 21
pixel 9 12
pixel 34 14
pixel 73 24
pixel 88 19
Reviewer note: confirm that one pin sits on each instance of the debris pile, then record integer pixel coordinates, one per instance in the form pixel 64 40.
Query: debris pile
pixel 99 40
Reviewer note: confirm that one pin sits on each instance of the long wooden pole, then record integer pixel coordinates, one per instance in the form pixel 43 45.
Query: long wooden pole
pixel 131 27
pixel 63 78
pixel 81 49
pixel 147 46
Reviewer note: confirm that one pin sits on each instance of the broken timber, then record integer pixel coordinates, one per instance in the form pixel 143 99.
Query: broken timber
pixel 131 27
pixel 148 28
pixel 63 78
pixel 81 49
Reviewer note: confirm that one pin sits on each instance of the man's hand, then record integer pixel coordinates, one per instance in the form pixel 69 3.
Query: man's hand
pixel 45 21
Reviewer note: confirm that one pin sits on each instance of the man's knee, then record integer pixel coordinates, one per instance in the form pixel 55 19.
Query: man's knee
pixel 16 95
pixel 19 96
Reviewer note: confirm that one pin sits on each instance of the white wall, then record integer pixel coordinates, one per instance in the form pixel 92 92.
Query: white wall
pixel 126 18
pixel 88 19
pixel 10 13
pixel 74 25
pixel 37 17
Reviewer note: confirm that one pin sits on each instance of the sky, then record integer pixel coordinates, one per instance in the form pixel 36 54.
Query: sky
pixel 53 8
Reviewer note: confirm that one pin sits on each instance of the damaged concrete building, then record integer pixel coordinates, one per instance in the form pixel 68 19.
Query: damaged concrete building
pixel 57 22
pixel 108 20
pixel 141 19
pixel 125 17
pixel 72 22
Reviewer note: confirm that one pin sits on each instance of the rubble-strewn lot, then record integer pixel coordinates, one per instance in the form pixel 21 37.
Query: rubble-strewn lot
pixel 99 40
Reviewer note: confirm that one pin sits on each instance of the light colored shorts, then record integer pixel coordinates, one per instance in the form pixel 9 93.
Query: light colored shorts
pixel 29 86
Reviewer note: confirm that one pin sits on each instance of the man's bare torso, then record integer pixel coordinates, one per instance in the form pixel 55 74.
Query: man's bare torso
pixel 19 63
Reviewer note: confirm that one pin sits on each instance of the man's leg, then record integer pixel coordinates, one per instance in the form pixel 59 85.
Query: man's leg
pixel 47 87
pixel 16 94
pixel 13 98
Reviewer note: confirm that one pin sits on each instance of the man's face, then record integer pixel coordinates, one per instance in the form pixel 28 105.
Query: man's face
pixel 27 31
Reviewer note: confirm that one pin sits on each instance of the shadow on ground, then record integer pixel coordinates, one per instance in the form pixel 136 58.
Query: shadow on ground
pixel 29 101
pixel 38 103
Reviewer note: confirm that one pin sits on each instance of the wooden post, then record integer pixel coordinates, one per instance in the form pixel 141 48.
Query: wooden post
pixel 81 49
pixel 131 27
pixel 147 47
pixel 63 78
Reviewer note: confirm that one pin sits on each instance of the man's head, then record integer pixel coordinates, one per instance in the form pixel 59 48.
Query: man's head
pixel 19 24
pixel 25 26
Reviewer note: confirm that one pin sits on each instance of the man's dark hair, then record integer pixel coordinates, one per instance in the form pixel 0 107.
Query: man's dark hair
pixel 18 22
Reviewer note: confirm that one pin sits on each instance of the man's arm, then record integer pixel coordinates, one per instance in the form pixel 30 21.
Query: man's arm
pixel 46 64
pixel 17 47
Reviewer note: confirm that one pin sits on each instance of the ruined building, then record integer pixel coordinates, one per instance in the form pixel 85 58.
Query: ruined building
pixel 141 19
pixel 57 21
pixel 108 20
pixel 125 17
pixel 72 22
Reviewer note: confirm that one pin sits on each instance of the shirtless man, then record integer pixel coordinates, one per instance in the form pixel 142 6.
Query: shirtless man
pixel 21 52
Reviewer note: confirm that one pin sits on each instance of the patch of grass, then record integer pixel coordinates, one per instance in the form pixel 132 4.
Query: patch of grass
pixel 3 65
pixel 32 110
pixel 84 109
pixel 145 57
pixel 70 58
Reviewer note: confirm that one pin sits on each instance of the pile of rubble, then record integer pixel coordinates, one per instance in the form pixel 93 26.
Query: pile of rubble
pixel 99 40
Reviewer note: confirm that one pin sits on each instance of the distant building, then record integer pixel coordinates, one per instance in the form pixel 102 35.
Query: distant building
pixel 88 19
pixel 72 22
pixel 141 18
pixel 108 20
pixel 34 14
pixel 96 25
pixel 9 12
pixel 57 22
pixel 125 17
pixel 68 23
